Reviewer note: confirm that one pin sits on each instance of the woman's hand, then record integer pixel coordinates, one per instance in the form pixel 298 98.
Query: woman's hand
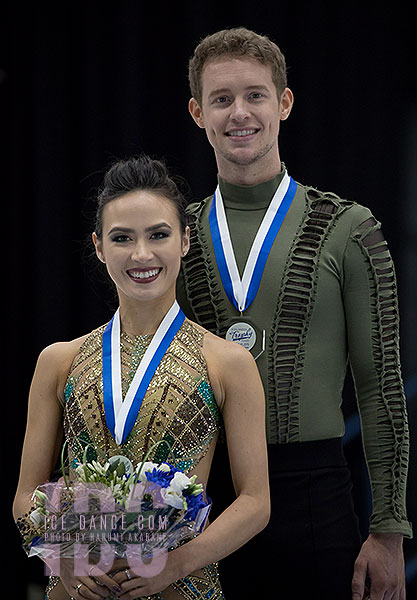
pixel 94 587
pixel 136 586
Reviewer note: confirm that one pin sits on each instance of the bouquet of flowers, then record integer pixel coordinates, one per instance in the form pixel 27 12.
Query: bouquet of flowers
pixel 115 509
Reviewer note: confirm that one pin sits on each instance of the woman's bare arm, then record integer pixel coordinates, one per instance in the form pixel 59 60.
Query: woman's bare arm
pixel 44 423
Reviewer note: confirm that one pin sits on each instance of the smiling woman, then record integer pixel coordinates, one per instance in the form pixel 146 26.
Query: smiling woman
pixel 149 375
pixel 142 245
pixel 141 233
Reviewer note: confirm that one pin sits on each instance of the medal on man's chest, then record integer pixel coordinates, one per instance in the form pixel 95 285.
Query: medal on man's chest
pixel 242 291
pixel 242 330
pixel 242 333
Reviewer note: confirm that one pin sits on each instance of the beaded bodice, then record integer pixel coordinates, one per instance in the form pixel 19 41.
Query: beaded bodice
pixel 179 405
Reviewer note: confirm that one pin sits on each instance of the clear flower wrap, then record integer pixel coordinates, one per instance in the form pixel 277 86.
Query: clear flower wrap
pixel 114 510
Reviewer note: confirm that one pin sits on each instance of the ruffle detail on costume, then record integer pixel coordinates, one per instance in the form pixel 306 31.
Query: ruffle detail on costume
pixel 203 291
pixel 391 415
pixel 294 309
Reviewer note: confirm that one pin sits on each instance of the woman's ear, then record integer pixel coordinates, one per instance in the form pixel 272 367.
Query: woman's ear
pixel 98 246
pixel 185 242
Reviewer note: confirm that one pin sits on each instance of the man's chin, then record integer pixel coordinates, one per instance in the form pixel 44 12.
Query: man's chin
pixel 243 159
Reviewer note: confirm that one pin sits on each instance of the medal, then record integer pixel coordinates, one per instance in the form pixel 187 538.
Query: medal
pixel 242 292
pixel 242 333
pixel 121 414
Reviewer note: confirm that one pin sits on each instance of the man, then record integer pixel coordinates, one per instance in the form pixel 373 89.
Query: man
pixel 305 281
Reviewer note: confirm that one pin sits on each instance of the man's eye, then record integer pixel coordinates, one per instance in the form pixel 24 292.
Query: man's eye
pixel 221 99
pixel 256 95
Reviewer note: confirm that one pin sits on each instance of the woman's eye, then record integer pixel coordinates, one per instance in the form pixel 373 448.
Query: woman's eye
pixel 159 235
pixel 120 238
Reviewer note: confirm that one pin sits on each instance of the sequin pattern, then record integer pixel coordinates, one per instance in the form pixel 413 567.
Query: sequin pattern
pixel 179 407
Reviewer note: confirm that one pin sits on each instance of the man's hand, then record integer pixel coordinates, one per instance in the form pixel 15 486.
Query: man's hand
pixel 381 558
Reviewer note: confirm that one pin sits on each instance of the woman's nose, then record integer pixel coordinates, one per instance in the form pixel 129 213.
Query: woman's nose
pixel 142 252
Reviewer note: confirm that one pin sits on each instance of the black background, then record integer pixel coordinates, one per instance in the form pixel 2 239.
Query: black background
pixel 84 83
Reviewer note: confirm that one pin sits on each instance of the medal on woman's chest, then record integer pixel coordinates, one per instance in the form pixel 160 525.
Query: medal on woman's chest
pixel 242 291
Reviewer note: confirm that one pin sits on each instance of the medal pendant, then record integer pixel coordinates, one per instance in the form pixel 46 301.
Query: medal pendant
pixel 242 333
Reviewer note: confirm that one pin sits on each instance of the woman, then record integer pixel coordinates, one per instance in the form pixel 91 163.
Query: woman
pixel 200 382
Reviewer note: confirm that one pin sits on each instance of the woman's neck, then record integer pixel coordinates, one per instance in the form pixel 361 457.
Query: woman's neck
pixel 141 318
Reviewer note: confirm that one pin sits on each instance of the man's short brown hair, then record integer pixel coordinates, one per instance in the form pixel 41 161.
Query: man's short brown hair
pixel 236 42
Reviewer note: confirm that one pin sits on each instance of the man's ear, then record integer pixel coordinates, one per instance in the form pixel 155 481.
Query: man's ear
pixel 286 103
pixel 196 112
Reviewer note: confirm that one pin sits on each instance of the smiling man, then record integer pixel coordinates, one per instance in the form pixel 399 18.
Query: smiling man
pixel 305 281
pixel 241 112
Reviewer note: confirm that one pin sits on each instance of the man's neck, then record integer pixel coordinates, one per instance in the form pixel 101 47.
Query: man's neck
pixel 249 174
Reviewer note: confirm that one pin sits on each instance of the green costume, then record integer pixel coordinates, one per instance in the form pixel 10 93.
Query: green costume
pixel 327 295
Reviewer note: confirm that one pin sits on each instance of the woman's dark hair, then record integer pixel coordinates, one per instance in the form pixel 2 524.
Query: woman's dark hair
pixel 138 173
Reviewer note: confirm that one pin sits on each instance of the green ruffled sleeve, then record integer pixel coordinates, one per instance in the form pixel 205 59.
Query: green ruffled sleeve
pixel 372 318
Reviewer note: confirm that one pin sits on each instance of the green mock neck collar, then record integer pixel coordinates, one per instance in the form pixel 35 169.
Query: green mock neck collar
pixel 249 197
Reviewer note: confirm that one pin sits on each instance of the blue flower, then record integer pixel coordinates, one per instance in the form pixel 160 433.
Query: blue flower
pixel 194 504
pixel 35 541
pixel 162 478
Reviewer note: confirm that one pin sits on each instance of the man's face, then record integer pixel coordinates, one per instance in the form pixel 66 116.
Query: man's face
pixel 241 112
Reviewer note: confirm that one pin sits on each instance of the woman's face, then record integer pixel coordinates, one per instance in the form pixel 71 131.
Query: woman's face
pixel 142 245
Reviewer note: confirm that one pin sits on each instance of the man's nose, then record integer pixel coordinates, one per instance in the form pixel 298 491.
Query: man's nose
pixel 239 109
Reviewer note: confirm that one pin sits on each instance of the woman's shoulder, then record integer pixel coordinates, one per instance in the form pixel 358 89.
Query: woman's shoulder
pixel 58 358
pixel 61 354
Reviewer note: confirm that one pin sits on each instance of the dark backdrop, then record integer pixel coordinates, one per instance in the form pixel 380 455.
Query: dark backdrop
pixel 83 83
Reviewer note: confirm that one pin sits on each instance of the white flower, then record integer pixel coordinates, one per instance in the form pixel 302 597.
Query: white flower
pixel 41 496
pixel 98 468
pixel 179 482
pixel 116 488
pixel 36 517
pixel 80 471
pixel 164 467
pixel 173 498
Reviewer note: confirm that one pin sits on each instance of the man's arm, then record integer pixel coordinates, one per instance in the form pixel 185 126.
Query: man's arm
pixel 370 298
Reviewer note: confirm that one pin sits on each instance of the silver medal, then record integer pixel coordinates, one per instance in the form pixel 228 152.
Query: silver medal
pixel 242 333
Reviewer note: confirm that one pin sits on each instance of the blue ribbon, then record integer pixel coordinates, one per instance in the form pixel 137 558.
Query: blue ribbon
pixel 146 379
pixel 263 253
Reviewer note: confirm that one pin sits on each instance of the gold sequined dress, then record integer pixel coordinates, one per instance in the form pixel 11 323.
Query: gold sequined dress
pixel 179 407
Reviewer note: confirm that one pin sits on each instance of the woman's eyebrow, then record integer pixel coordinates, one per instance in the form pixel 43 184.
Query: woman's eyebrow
pixel 158 226
pixel 121 229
